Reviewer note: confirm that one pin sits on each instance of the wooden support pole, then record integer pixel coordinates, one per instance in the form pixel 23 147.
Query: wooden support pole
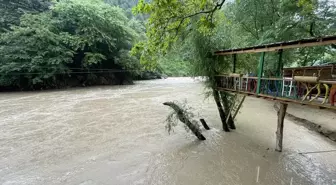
pixel 239 106
pixel 280 64
pixel 228 115
pixel 234 56
pixel 205 125
pixel 279 132
pixel 260 71
pixel 221 111
pixel 227 110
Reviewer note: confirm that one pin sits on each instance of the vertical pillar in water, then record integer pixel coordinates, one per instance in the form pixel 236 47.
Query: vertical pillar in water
pixel 260 71
pixel 279 133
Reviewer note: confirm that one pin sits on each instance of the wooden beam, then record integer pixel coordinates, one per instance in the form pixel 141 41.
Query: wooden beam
pixel 279 132
pixel 281 45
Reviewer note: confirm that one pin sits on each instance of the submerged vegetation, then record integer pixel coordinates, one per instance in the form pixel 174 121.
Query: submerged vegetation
pixel 181 112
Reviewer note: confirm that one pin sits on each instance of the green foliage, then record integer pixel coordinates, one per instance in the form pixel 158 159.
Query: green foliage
pixel 33 52
pixel 55 36
pixel 99 30
pixel 127 7
pixel 12 10
pixel 80 34
pixel 168 22
pixel 128 62
pixel 260 22
pixel 174 67
pixel 174 63
pixel 235 24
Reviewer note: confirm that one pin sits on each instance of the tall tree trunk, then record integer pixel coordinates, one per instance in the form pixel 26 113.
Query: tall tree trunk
pixel 227 110
pixel 220 110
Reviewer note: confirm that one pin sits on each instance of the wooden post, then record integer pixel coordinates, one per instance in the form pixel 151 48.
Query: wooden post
pixel 239 106
pixel 205 125
pixel 221 111
pixel 234 63
pixel 280 64
pixel 279 133
pixel 260 71
pixel 227 110
pixel 228 114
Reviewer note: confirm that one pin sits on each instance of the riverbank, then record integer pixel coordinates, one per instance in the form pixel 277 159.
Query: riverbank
pixel 322 121
pixel 82 79
pixel 116 135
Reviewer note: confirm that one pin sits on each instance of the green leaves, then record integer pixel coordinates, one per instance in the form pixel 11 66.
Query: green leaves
pixel 170 20
pixel 198 27
pixel 12 10
pixel 92 58
pixel 73 34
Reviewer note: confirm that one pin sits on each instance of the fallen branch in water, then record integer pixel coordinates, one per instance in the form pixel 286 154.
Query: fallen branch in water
pixel 181 115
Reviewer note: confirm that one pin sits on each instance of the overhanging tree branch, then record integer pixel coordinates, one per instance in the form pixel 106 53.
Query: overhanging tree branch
pixel 210 13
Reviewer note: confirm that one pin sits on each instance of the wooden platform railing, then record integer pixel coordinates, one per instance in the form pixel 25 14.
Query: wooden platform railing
pixel 302 90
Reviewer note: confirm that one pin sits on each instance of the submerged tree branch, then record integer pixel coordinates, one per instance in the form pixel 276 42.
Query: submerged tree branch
pixel 183 118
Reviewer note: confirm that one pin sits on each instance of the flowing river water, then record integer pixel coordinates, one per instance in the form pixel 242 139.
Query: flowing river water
pixel 116 135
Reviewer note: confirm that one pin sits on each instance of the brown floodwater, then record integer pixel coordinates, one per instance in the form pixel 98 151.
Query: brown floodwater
pixel 116 135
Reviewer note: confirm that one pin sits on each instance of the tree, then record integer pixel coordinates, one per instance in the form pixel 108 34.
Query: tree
pixel 33 53
pixel 73 36
pixel 12 10
pixel 99 30
pixel 170 20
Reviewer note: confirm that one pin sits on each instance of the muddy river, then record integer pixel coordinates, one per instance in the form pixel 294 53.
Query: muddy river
pixel 116 135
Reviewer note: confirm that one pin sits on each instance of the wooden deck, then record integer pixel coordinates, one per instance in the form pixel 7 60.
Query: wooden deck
pixel 280 99
pixel 280 89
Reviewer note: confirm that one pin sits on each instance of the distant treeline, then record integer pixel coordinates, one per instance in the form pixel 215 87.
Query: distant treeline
pixel 66 43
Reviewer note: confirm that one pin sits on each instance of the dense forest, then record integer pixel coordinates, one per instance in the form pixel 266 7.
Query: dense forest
pixel 54 44
pixel 49 44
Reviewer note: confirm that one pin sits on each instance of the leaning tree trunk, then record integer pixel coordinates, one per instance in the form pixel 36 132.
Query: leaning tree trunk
pixel 220 110
pixel 185 120
pixel 227 110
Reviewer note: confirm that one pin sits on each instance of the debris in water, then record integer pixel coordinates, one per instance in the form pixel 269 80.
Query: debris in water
pixel 184 116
